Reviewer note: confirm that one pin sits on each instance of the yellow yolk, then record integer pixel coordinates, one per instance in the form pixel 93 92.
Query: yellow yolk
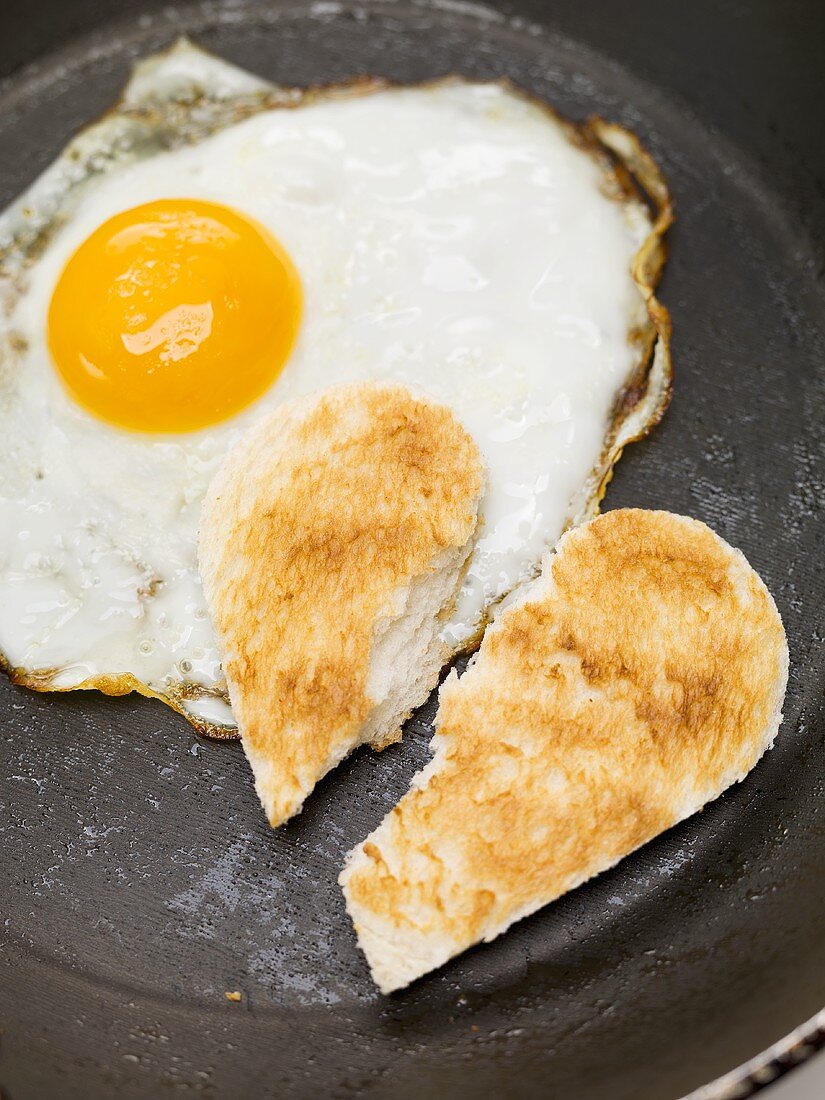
pixel 173 316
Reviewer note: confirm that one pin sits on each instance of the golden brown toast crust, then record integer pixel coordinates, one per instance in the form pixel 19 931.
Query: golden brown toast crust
pixel 642 676
pixel 324 513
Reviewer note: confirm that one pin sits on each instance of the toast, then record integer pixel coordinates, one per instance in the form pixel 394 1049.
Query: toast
pixel 332 544
pixel 638 677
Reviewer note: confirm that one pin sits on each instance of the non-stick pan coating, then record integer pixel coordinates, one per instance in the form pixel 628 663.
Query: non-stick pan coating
pixel 140 881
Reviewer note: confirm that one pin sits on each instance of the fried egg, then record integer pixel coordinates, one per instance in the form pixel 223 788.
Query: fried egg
pixel 215 246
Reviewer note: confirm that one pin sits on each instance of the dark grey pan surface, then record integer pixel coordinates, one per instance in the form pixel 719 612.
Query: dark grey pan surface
pixel 140 881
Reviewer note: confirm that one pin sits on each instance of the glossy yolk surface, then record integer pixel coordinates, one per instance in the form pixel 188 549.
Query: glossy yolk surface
pixel 173 316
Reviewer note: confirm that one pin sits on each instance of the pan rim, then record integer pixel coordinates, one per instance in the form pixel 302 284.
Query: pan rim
pixel 766 1067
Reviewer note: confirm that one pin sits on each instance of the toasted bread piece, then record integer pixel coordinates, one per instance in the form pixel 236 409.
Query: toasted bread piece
pixel 640 676
pixel 332 544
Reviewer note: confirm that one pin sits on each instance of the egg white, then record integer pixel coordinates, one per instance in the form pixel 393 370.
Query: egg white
pixel 451 237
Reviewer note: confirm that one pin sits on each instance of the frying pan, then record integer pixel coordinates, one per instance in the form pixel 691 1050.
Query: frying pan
pixel 140 881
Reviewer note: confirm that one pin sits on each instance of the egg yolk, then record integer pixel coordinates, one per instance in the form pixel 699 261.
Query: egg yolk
pixel 173 316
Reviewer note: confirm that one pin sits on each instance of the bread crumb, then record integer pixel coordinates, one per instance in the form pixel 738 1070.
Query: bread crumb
pixel 234 996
